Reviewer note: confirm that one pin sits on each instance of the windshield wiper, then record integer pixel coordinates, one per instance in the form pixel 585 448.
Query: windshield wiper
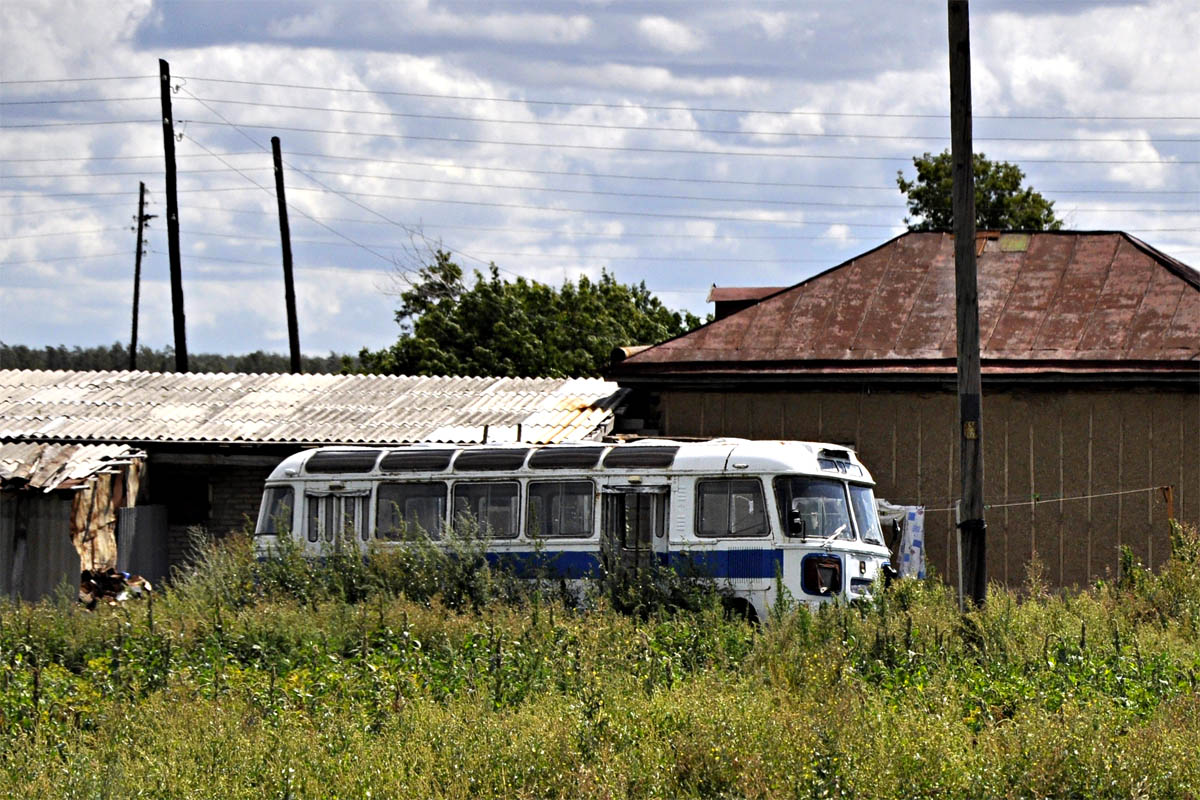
pixel 840 530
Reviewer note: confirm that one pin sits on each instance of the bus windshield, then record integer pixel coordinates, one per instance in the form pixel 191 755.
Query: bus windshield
pixel 813 508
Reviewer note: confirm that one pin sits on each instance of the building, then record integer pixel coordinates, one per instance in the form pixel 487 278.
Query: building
pixel 211 439
pixel 1090 345
pixel 59 506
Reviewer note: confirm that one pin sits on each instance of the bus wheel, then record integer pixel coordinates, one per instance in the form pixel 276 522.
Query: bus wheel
pixel 740 608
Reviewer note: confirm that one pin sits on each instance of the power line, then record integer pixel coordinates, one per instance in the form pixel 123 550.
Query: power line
pixel 553 232
pixel 563 256
pixel 73 100
pixel 777 112
pixel 564 173
pixel 79 123
pixel 631 149
pixel 63 258
pixel 78 80
pixel 62 233
pixel 669 129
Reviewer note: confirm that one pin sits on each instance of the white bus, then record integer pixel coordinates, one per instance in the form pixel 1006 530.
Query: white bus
pixel 753 515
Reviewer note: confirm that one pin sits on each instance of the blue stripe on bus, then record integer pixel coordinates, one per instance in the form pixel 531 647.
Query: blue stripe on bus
pixel 743 564
pixel 720 564
pixel 548 563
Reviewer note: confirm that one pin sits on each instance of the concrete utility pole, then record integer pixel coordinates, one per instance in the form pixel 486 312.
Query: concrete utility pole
pixel 142 219
pixel 972 528
pixel 285 239
pixel 168 123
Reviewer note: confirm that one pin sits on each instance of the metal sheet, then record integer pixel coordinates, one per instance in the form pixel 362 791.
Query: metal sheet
pixel 1049 301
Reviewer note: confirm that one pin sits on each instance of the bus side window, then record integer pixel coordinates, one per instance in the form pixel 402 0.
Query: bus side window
pixel 489 506
pixel 560 509
pixel 730 507
pixel 410 508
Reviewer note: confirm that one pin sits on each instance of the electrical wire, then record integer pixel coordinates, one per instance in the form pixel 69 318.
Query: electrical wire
pixel 775 112
pixel 665 150
pixel 669 129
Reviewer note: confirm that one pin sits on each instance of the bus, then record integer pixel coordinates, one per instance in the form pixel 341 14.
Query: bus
pixel 758 517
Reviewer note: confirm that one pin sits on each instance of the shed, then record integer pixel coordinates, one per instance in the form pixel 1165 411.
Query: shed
pixel 211 439
pixel 59 505
pixel 1090 345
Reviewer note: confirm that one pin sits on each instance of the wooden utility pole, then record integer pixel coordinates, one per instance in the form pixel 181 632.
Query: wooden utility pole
pixel 142 219
pixel 285 238
pixel 168 123
pixel 971 526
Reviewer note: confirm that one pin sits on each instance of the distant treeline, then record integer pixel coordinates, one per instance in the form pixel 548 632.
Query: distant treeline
pixel 116 357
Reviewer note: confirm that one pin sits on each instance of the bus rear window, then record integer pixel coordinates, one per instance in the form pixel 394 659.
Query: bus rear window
pixel 275 516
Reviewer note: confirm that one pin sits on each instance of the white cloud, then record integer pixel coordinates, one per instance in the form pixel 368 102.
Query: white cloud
pixel 669 36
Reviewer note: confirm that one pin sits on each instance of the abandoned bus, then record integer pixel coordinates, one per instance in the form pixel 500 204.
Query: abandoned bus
pixel 742 512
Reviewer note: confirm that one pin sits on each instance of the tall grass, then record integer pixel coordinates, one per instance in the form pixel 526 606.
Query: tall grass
pixel 416 674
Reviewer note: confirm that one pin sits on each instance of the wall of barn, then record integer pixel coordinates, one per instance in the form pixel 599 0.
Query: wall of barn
pixel 215 493
pixel 1110 448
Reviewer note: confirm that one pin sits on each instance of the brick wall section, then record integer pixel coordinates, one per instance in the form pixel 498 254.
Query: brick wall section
pixel 234 494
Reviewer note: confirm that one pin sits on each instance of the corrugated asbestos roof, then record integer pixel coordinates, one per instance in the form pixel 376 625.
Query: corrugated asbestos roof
pixel 299 409
pixel 1048 302
pixel 59 466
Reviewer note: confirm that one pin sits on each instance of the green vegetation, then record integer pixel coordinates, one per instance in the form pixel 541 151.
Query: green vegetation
pixel 116 357
pixel 1001 203
pixel 519 328
pixel 351 679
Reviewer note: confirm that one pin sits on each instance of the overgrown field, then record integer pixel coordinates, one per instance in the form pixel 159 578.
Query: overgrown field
pixel 414 677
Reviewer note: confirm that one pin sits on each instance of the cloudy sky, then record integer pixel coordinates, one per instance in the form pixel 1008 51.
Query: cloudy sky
pixel 677 143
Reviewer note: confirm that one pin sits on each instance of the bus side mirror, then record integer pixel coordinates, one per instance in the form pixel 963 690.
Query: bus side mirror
pixel 796 525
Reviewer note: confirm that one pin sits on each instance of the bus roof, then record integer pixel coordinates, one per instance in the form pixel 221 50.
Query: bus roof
pixel 667 455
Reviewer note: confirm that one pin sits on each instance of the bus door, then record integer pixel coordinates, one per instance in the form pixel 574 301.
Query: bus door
pixel 633 528
pixel 336 514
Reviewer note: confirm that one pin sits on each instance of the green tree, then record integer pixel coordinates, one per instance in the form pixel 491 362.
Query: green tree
pixel 518 328
pixel 1000 201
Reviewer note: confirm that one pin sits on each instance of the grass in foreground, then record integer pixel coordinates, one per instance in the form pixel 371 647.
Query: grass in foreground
pixel 290 679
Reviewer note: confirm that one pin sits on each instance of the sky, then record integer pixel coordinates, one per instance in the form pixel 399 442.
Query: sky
pixel 679 144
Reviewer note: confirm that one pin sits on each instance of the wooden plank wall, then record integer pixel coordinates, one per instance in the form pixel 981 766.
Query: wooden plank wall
pixel 1105 448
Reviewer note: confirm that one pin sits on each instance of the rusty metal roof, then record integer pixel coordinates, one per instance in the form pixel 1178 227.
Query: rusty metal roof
pixel 299 409
pixel 725 294
pixel 48 467
pixel 1049 302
